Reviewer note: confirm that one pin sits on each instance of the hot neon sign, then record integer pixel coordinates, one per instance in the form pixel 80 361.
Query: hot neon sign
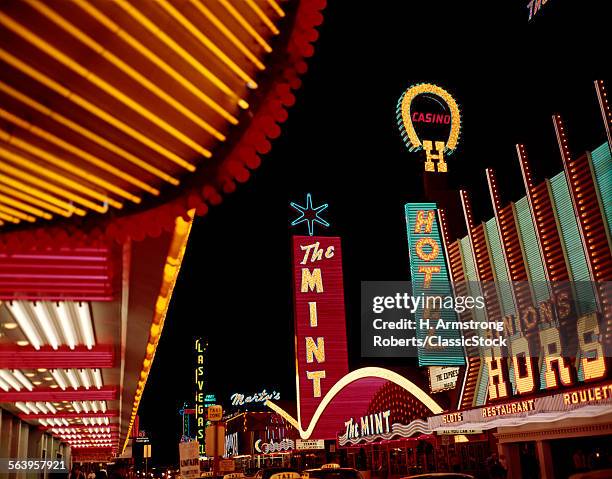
pixel 430 277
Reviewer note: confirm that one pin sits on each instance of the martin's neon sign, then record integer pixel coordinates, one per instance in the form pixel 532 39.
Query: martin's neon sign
pixel 261 397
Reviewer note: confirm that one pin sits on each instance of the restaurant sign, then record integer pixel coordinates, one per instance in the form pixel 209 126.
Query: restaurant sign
pixel 567 403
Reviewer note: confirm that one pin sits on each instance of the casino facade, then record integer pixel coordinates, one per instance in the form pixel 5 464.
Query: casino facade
pixel 102 173
pixel 543 265
pixel 120 122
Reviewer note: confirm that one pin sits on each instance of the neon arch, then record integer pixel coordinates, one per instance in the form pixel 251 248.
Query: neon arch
pixel 369 372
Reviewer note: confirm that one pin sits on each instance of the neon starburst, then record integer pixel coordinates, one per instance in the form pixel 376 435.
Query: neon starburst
pixel 309 214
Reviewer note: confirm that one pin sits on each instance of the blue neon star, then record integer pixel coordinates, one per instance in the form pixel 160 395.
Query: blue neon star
pixel 309 214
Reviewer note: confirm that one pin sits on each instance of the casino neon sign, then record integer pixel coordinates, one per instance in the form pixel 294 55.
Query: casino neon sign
pixel 435 144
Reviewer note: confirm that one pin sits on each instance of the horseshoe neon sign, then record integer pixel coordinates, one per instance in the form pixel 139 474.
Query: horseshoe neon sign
pixel 434 148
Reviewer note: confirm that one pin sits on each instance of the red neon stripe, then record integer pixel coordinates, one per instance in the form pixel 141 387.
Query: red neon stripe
pixel 106 393
pixel 70 415
pixel 16 357
pixel 7 266
pixel 66 297
pixel 32 276
pixel 43 257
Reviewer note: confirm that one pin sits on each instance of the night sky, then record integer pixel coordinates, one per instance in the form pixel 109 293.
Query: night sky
pixel 341 143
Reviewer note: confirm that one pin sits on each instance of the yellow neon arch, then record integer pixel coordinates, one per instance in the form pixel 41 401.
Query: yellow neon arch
pixel 370 372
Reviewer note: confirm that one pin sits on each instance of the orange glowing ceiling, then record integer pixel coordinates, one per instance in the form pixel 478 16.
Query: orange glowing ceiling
pixel 105 105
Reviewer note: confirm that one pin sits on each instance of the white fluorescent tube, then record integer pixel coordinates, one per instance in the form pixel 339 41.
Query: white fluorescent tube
pixel 59 379
pixel 85 378
pixel 74 382
pixel 97 374
pixel 85 324
pixel 4 385
pixel 8 377
pixel 22 379
pixel 25 324
pixel 45 323
pixel 66 324
pixel 22 407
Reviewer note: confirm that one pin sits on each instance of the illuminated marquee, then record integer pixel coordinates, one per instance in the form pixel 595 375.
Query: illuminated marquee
pixel 377 423
pixel 545 368
pixel 548 408
pixel 369 372
pixel 428 106
pixel 430 277
pixel 320 331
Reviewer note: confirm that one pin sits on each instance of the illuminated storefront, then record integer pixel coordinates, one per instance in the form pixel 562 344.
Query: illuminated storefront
pixel 543 264
pixel 259 438
pixel 101 175
pixel 540 264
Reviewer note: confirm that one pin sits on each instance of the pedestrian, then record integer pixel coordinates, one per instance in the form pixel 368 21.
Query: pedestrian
pixel 76 473
pixel 503 463
pixel 579 460
pixel 529 464
pixel 491 462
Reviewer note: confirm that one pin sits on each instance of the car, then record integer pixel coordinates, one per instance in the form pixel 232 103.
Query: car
pixel 597 474
pixel 332 471
pixel 251 471
pixel 440 475
pixel 268 472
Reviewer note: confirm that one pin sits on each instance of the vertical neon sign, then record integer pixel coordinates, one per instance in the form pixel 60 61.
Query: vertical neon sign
pixel 320 327
pixel 429 277
pixel 200 397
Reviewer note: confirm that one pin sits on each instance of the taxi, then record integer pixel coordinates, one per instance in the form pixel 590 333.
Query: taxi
pixel 332 471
